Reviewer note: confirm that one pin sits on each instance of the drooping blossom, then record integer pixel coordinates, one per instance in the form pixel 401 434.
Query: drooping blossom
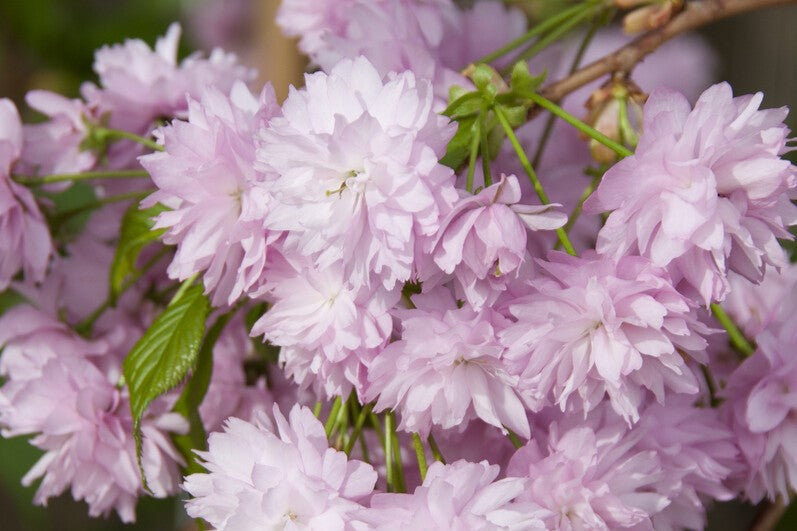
pixel 217 201
pixel 359 180
pixel 594 327
pixel 705 192
pixel 55 146
pixel 761 400
pixel 447 368
pixel 63 390
pixel 460 495
pixel 590 479
pixel 486 234
pixel 327 327
pixel 765 306
pixel 138 84
pixel 698 455
pixel 25 242
pixel 260 477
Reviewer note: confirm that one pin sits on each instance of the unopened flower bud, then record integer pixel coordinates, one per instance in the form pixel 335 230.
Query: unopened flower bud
pixel 615 110
pixel 651 16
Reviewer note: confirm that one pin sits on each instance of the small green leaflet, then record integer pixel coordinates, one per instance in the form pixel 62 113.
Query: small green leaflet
pixel 193 394
pixel 135 233
pixel 165 353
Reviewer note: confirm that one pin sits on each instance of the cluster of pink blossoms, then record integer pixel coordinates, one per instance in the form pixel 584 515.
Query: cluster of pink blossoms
pixel 361 273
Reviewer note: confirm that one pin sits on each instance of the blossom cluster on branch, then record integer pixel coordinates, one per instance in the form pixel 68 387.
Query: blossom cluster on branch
pixel 288 310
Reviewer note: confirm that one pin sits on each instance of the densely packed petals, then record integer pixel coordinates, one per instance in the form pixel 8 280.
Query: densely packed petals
pixel 705 192
pixel 358 175
pixel 448 368
pixel 761 395
pixel 260 477
pixel 596 327
pixel 460 495
pixel 63 390
pixel 215 195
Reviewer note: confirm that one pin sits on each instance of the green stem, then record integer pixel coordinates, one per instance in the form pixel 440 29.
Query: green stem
pixel 420 453
pixel 474 153
pixel 358 427
pixel 102 202
pixel 576 213
pixel 438 455
pixel 388 445
pixel 402 487
pixel 736 336
pixel 578 124
pixel 712 386
pixel 57 178
pixel 546 134
pixel 84 327
pixel 545 25
pixel 118 134
pixel 535 182
pixel 317 408
pixel 516 442
pixel 560 31
pixel 485 149
pixel 333 416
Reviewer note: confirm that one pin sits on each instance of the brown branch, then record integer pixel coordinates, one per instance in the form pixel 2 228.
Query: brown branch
pixel 696 14
pixel 769 516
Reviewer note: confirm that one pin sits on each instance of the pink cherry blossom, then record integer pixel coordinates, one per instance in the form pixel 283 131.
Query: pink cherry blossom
pixel 760 406
pixel 216 198
pixel 25 242
pixel 258 476
pixel 486 234
pixel 596 327
pixel 139 84
pixel 64 391
pixel 448 368
pixel 327 327
pixel 359 179
pixel 591 479
pixel 705 192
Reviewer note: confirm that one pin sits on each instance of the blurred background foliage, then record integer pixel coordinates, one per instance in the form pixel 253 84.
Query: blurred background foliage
pixel 49 44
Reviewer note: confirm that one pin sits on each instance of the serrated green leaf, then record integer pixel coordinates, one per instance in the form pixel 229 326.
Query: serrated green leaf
pixel 465 104
pixel 193 394
pixel 515 115
pixel 165 353
pixel 458 148
pixel 482 76
pixel 136 233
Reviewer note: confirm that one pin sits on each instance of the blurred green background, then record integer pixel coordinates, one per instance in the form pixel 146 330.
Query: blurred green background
pixel 49 44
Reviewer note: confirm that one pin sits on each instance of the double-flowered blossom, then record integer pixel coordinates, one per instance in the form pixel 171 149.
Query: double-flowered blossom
pixel 595 327
pixel 761 402
pixel 485 235
pixel 706 191
pixel 448 368
pixel 327 327
pixel 138 85
pixel 359 180
pixel 591 478
pixel 63 390
pixel 260 477
pixel 217 200
pixel 25 242
pixel 460 495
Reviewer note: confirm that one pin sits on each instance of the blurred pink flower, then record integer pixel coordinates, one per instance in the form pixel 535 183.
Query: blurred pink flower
pixel 25 242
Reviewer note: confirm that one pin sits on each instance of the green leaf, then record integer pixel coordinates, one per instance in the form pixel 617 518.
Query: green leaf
pixel 459 147
pixel 135 234
pixel 193 394
pixel 467 103
pixel 522 82
pixel 165 353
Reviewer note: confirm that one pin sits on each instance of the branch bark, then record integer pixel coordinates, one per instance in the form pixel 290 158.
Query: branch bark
pixel 696 14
